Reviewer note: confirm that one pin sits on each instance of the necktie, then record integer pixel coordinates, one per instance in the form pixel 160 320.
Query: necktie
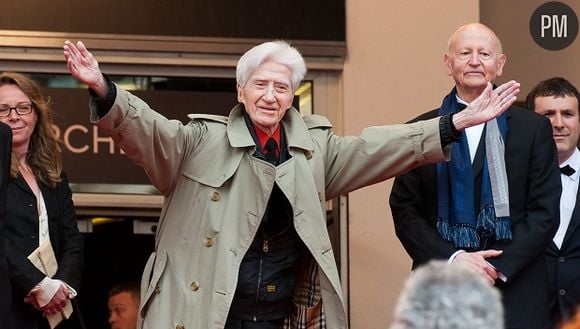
pixel 567 170
pixel 270 151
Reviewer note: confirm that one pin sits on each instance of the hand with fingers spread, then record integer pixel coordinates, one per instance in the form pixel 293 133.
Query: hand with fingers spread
pixel 489 105
pixel 84 67
pixel 477 261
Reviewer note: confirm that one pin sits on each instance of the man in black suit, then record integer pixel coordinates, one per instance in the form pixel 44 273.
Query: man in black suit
pixel 5 155
pixel 492 206
pixel 557 99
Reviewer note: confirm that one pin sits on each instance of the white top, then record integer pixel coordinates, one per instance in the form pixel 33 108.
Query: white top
pixel 568 198
pixel 43 234
pixel 473 134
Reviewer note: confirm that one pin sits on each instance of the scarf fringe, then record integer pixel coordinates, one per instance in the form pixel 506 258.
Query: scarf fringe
pixel 486 221
pixel 488 225
pixel 462 236
pixel 503 230
pixel 467 237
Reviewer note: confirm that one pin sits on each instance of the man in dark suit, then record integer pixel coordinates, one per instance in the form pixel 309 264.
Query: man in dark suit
pixel 5 155
pixel 492 206
pixel 557 99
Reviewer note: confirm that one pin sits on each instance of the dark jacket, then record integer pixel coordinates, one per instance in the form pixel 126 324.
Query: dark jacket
pixel 267 274
pixel 534 194
pixel 5 154
pixel 21 233
pixel 564 270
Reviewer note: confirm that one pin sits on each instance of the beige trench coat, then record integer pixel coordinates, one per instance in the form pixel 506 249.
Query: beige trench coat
pixel 216 193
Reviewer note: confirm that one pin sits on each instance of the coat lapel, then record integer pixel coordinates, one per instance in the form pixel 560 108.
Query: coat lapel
pixel 574 222
pixel 478 159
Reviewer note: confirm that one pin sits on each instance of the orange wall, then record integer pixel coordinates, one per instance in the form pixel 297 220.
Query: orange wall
pixel 526 61
pixel 393 71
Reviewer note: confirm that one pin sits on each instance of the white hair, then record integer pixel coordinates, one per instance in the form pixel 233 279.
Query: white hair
pixel 274 51
pixel 442 296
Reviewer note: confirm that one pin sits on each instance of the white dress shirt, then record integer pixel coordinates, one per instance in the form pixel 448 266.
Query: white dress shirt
pixel 473 134
pixel 568 198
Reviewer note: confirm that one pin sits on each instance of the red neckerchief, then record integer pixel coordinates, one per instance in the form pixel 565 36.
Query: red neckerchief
pixel 263 138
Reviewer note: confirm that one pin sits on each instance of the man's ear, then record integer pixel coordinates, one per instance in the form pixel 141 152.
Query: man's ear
pixel 500 63
pixel 447 64
pixel 240 93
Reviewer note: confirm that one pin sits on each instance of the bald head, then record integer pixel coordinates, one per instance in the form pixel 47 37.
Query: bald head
pixel 478 28
pixel 474 57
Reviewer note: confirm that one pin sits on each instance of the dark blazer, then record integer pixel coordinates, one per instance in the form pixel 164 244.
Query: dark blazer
pixel 5 154
pixel 534 192
pixel 564 270
pixel 21 233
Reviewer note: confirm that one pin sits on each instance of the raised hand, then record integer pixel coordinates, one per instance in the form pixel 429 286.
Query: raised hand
pixel 84 67
pixel 489 105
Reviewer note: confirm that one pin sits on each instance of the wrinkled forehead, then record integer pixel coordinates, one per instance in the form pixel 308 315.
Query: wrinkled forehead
pixel 475 37
pixel 272 71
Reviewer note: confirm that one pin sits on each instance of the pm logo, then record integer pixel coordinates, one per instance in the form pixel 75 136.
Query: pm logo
pixel 554 26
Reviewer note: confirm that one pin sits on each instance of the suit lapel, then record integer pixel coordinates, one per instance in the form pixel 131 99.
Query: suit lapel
pixel 478 159
pixel 21 183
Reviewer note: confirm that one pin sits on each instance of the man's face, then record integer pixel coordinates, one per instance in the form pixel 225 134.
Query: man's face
pixel 123 311
pixel 474 58
pixel 267 95
pixel 563 113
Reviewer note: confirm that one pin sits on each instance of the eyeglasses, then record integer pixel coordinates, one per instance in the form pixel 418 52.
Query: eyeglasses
pixel 21 109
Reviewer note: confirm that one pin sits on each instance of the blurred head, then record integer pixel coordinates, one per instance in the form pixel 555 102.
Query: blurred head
pixel 448 296
pixel 557 99
pixel 573 322
pixel 474 57
pixel 29 115
pixel 124 306
pixel 267 76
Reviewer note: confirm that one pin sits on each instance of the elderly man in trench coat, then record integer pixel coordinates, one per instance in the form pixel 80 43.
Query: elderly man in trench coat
pixel 221 189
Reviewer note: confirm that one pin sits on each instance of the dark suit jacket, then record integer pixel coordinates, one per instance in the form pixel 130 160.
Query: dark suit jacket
pixel 5 154
pixel 564 270
pixel 534 192
pixel 21 233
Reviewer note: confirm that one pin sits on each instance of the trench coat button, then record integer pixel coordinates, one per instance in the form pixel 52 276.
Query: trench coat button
pixel 157 290
pixel 269 171
pixel 209 241
pixel 194 286
pixel 215 196
pixel 319 196
pixel 561 292
pixel 180 326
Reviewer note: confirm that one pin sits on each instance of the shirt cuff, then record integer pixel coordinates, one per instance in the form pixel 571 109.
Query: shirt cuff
pixel 447 131
pixel 47 288
pixel 452 258
pixel 105 104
